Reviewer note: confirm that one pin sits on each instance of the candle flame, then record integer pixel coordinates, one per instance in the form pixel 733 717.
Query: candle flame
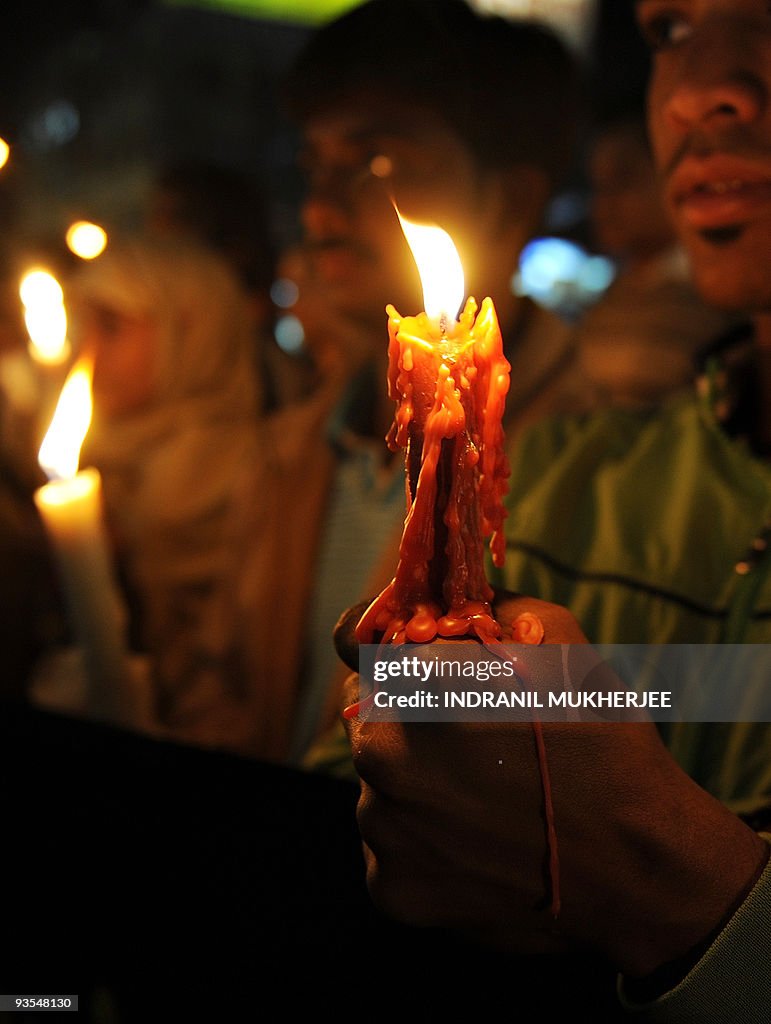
pixel 441 273
pixel 40 288
pixel 60 451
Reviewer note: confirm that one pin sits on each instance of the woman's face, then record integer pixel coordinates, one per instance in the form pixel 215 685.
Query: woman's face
pixel 123 349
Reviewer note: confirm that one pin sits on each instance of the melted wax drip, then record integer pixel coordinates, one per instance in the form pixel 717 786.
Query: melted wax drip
pixel 450 390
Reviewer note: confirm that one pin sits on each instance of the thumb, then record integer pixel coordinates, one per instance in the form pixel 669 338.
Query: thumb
pixel 346 644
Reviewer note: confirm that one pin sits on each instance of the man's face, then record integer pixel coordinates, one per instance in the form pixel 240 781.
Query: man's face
pixel 358 157
pixel 710 119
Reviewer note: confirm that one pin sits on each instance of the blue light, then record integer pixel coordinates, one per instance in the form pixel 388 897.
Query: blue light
pixel 597 273
pixel 284 292
pixel 289 334
pixel 561 275
pixel 58 124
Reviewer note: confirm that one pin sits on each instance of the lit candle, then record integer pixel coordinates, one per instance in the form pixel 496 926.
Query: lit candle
pixel 70 506
pixel 449 380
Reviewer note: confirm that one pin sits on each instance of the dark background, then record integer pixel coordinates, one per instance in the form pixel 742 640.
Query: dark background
pixel 162 883
pixel 97 93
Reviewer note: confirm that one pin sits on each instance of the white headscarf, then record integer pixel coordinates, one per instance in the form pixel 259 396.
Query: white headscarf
pixel 175 471
pixel 205 339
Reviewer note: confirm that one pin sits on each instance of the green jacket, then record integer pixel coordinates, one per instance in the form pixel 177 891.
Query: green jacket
pixel 638 523
pixel 652 529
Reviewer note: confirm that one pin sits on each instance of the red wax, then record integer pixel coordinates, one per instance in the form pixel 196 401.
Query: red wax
pixel 450 389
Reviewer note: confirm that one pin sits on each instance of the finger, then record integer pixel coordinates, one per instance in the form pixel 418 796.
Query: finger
pixel 350 698
pixel 383 762
pixel 389 842
pixel 437 891
pixel 346 644
pixel 351 690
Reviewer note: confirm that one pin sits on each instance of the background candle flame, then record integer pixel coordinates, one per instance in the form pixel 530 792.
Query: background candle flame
pixel 60 451
pixel 439 266
pixel 86 240
pixel 45 317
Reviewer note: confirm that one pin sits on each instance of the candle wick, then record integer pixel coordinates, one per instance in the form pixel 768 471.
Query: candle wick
pixel 443 324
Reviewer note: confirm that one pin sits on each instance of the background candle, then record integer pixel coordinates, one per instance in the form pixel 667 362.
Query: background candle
pixel 70 506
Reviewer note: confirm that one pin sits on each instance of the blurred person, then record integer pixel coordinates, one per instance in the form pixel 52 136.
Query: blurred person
pixel 332 343
pixel 404 132
pixel 653 529
pixel 228 211
pixel 377 132
pixel 643 338
pixel 175 437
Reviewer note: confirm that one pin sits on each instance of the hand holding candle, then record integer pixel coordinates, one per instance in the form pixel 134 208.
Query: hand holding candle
pixel 449 381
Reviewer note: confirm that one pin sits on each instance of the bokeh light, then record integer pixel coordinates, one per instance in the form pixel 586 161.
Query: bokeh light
pixel 86 240
pixel 289 334
pixel 284 292
pixel 562 276
pixel 40 288
pixel 45 317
